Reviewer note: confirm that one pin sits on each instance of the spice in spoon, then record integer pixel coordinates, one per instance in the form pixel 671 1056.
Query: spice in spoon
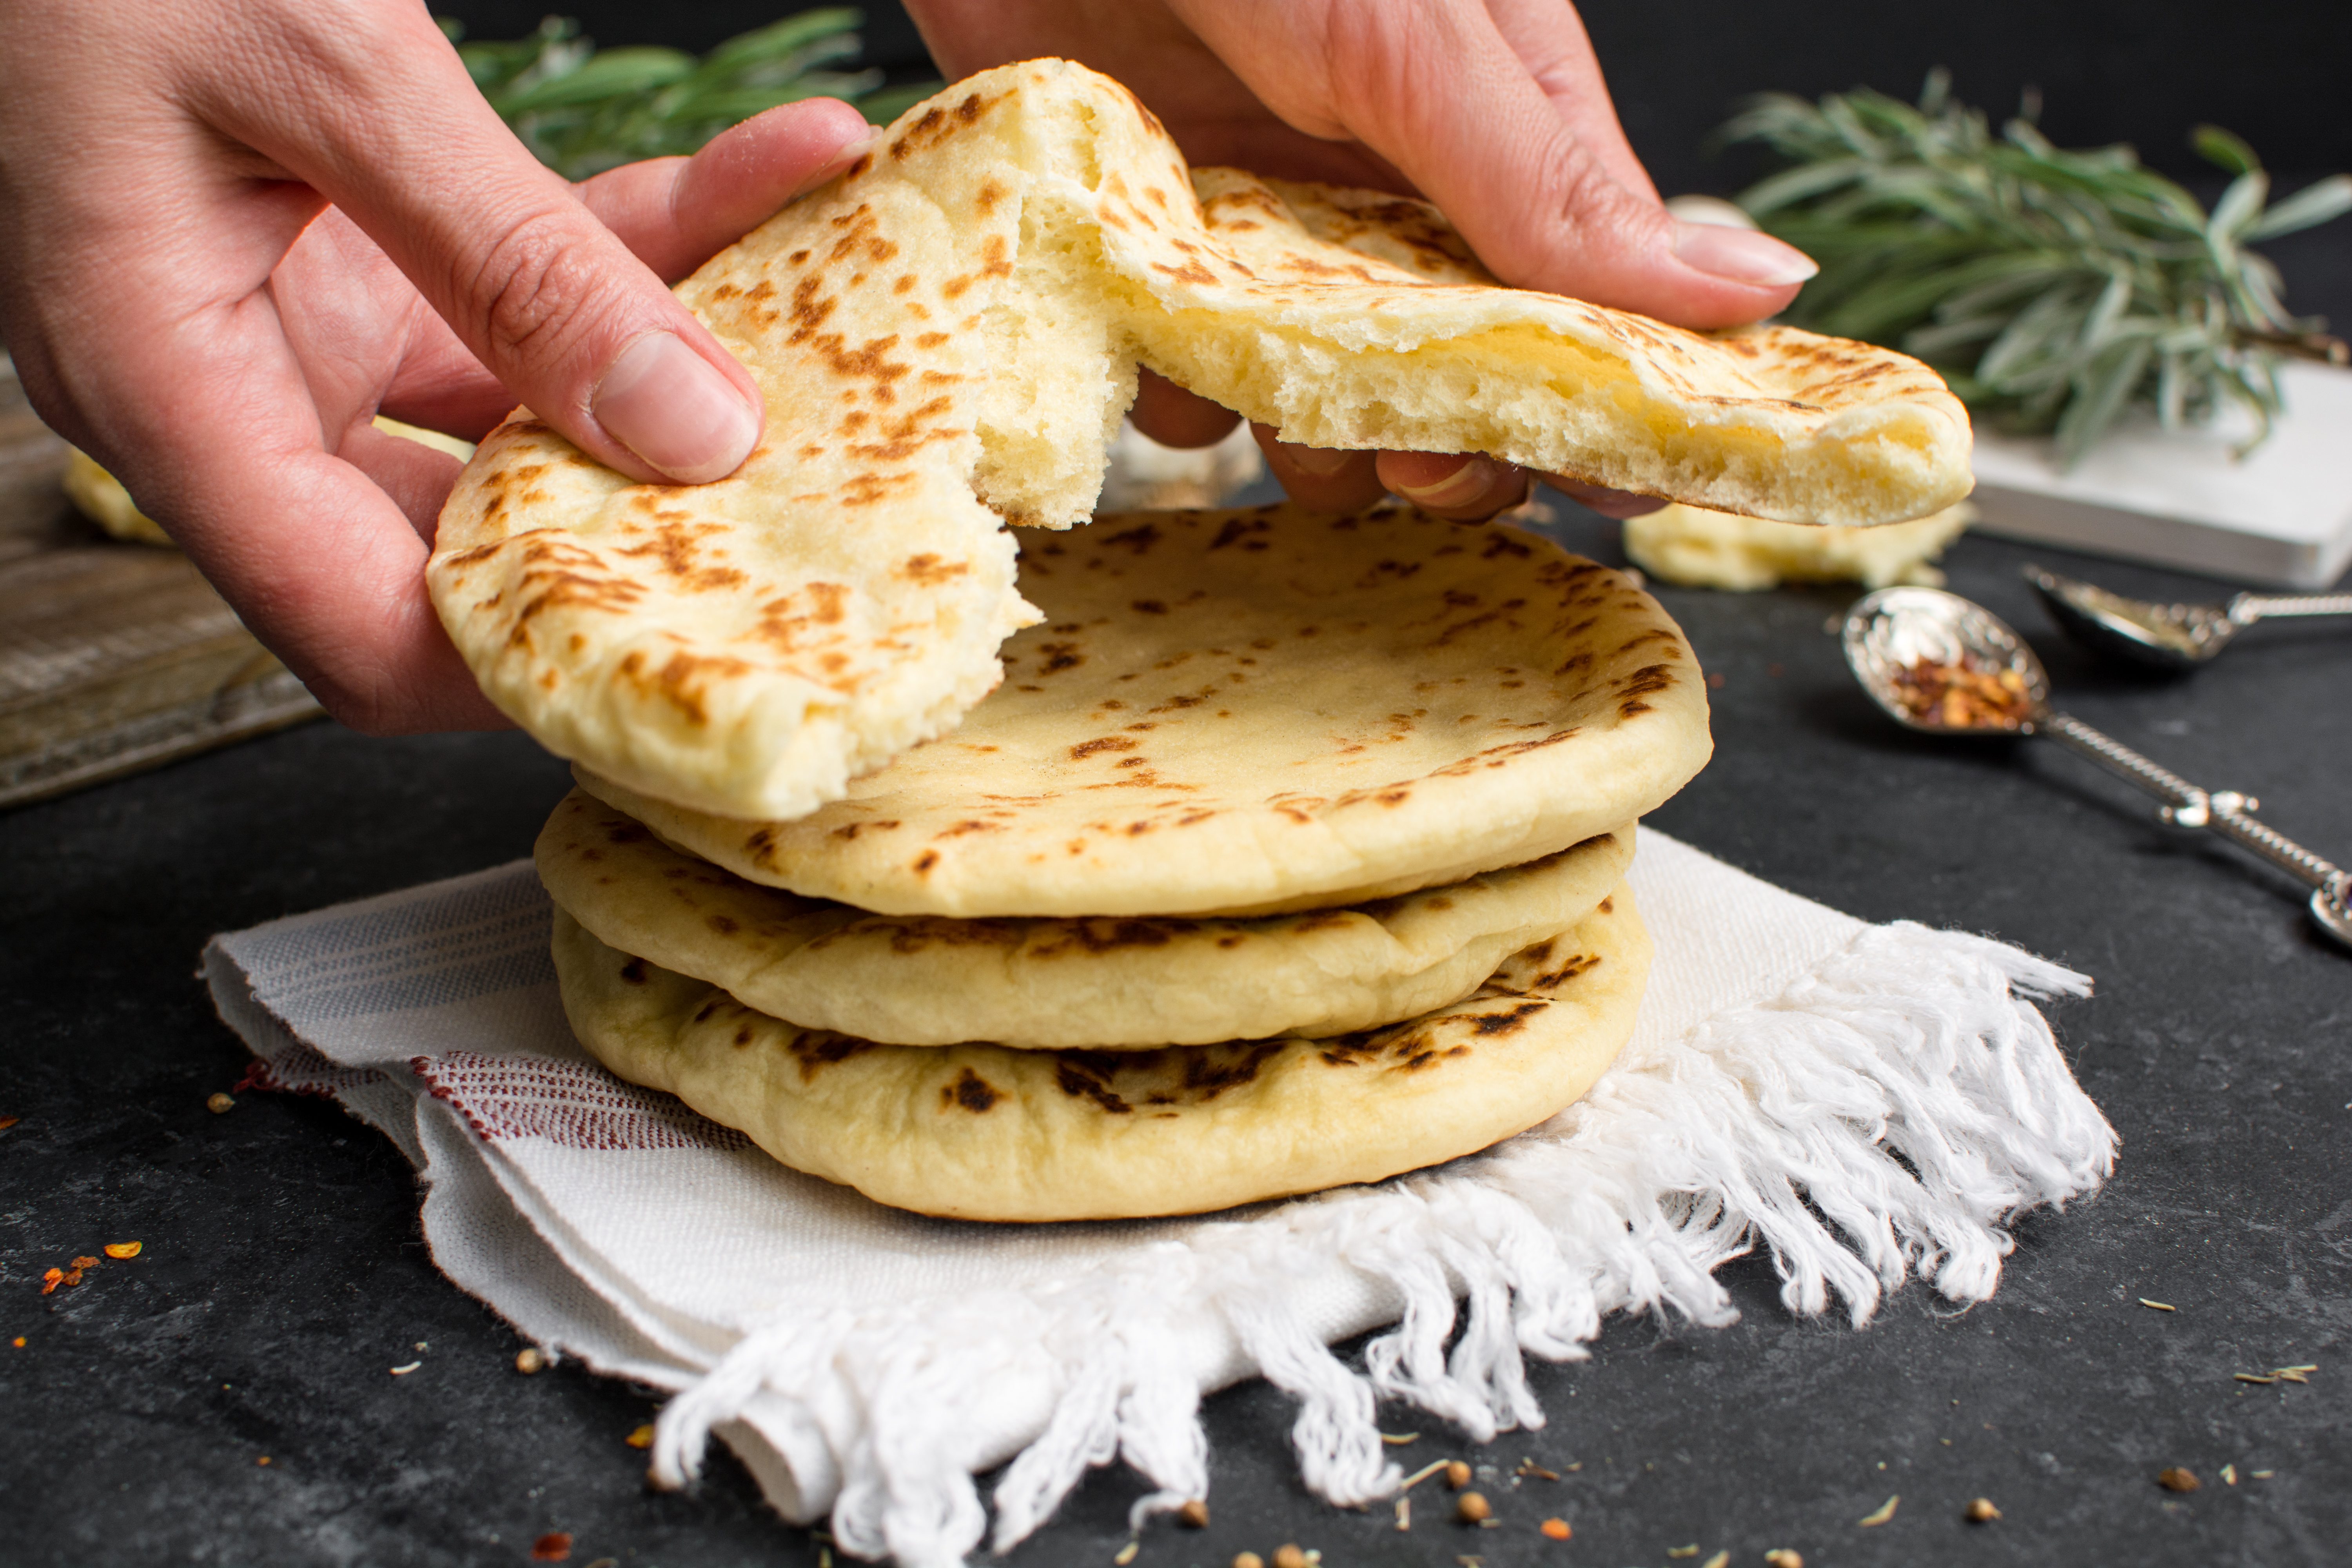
pixel 1962 695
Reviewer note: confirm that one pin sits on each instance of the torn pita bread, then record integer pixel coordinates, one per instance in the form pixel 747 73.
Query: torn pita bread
pixel 948 333
pixel 984 1132
pixel 1122 984
pixel 1250 712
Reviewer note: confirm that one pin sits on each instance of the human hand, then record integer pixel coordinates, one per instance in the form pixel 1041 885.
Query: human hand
pixel 183 303
pixel 1494 108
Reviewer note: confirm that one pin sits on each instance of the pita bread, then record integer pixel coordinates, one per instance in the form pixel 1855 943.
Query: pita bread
pixel 984 1132
pixel 1255 711
pixel 956 321
pixel 1123 983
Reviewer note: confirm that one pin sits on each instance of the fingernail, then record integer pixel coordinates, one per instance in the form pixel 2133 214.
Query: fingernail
pixel 672 408
pixel 857 147
pixel 1322 462
pixel 1468 483
pixel 1741 255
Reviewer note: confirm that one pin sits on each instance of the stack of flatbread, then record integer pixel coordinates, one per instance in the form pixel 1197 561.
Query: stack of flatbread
pixel 1274 850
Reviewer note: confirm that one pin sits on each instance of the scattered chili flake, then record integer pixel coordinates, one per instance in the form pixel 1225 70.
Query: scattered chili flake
pixel 2159 1305
pixel 1195 1513
pixel 1126 1554
pixel 643 1438
pixel 53 1278
pixel 1288 1556
pixel 8 1122
pixel 264 1460
pixel 1880 1514
pixel 81 1263
pixel 1556 1529
pixel 1962 695
pixel 531 1359
pixel 18 1341
pixel 2176 1479
pixel 1714 681
pixel 1472 1508
pixel 1982 1511
pixel 122 1250
pixel 555 1546
pixel 218 1103
pixel 1457 1474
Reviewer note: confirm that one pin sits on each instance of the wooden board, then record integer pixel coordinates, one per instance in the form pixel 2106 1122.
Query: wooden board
pixel 114 658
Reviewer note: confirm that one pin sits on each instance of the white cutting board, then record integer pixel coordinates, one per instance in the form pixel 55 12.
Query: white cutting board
pixel 2281 517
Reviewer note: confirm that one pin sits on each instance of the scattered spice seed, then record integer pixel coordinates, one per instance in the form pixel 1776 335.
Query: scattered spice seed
pixel 1556 1529
pixel 1248 1560
pixel 1982 1511
pixel 2263 1475
pixel 555 1546
pixel 19 1342
pixel 1422 1474
pixel 8 1122
pixel 1880 1514
pixel 2291 1374
pixel 2159 1305
pixel 1195 1513
pixel 2176 1479
pixel 2229 1474
pixel 531 1359
pixel 1287 1555
pixel 263 1460
pixel 1457 1474
pixel 219 1104
pixel 1470 1561
pixel 1720 1560
pixel 1399 1439
pixel 1472 1508
pixel 51 1278
pixel 1529 1467
pixel 1126 1554
pixel 1403 1507
pixel 641 1437
pixel 121 1251
pixel 1690 1550
pixel 1781 1557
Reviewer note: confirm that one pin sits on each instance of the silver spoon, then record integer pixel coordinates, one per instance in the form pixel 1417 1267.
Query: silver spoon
pixel 2166 637
pixel 1946 665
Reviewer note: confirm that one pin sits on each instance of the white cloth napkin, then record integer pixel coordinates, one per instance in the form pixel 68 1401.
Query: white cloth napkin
pixel 1867 1101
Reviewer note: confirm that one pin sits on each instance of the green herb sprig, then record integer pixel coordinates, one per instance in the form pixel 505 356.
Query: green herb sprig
pixel 2051 287
pixel 582 110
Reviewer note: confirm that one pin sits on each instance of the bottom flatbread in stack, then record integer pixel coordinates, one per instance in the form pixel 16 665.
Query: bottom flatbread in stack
pixel 1251 1036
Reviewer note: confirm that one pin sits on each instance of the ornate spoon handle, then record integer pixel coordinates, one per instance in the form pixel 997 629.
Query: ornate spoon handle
pixel 2224 812
pixel 2247 608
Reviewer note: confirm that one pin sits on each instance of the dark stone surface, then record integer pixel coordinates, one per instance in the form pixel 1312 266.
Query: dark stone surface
pixel 284 1270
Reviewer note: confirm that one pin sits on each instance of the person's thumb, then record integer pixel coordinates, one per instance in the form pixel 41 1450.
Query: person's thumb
pixel 380 118
pixel 1535 174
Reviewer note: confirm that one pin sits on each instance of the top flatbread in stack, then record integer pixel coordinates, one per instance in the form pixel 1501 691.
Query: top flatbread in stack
pixel 947 336
pixel 1254 710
